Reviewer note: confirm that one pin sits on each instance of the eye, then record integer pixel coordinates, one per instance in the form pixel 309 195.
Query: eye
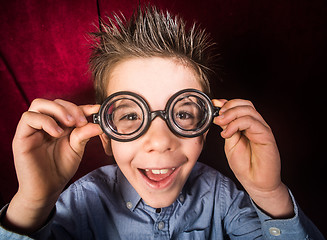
pixel 184 115
pixel 129 117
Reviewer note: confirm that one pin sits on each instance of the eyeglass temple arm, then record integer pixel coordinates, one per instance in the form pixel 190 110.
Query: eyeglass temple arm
pixel 216 111
pixel 96 118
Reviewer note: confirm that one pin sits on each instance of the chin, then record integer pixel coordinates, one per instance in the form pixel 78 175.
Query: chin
pixel 160 202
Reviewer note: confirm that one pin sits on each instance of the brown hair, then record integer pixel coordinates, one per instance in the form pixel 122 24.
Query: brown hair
pixel 149 33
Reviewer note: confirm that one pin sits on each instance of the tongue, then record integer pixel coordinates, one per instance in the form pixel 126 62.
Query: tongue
pixel 157 177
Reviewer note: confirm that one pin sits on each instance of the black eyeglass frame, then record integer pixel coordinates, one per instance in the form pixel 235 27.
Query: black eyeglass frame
pixel 166 114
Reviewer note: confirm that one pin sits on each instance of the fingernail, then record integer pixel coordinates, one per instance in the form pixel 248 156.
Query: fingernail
pixel 70 118
pixel 59 130
pixel 223 132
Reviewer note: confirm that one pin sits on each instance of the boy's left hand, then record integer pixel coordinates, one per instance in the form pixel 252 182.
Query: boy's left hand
pixel 253 155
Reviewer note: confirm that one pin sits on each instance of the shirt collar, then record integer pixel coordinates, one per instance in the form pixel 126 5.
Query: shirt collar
pixel 130 196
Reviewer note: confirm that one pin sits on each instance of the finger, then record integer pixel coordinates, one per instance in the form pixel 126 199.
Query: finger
pixel 33 121
pixel 75 111
pixel 237 112
pixel 235 102
pixel 253 129
pixel 219 102
pixel 88 110
pixel 52 109
pixel 80 136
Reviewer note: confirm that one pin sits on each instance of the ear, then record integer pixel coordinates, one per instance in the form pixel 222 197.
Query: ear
pixel 106 144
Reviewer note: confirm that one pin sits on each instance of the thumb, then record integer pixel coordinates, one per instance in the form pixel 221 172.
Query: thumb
pixel 219 103
pixel 80 136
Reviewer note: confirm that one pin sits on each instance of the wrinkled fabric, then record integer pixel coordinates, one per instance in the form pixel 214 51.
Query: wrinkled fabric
pixel 104 205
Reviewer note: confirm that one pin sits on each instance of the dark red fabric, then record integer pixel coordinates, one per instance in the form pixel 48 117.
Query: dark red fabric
pixel 274 53
pixel 44 53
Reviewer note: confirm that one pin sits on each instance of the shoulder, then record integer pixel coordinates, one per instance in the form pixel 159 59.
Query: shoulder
pixel 106 174
pixel 208 176
pixel 220 191
pixel 207 180
pixel 99 182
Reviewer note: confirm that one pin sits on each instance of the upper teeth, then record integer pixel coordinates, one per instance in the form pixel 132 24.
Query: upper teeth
pixel 159 171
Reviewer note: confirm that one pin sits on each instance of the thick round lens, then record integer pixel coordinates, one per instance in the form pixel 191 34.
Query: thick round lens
pixel 189 113
pixel 125 116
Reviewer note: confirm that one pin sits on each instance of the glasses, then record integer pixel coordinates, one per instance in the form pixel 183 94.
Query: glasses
pixel 125 116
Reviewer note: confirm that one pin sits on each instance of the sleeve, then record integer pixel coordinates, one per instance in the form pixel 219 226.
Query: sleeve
pixel 65 221
pixel 68 221
pixel 239 218
pixel 6 234
pixel 244 220
pixel 297 228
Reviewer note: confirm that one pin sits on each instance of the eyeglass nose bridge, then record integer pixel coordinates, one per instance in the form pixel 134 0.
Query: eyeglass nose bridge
pixel 161 113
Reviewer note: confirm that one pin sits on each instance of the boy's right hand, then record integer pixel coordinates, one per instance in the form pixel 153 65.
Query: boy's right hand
pixel 48 147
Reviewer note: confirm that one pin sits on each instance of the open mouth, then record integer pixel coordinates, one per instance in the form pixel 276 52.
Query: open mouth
pixel 159 178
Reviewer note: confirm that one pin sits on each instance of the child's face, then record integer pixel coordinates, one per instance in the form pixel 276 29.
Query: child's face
pixel 158 163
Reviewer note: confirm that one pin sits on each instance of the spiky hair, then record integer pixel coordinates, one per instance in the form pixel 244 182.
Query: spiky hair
pixel 149 33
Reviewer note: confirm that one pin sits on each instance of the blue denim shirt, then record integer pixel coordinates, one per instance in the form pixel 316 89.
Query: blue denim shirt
pixel 104 205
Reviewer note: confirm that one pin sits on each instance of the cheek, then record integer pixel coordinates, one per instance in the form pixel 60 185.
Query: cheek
pixel 122 152
pixel 193 148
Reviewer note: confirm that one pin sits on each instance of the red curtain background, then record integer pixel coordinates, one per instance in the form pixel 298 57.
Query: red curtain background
pixel 272 52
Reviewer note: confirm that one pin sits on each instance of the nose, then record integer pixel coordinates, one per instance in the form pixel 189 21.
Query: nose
pixel 159 138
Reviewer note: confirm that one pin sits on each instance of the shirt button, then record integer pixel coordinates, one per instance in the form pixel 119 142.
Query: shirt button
pixel 181 198
pixel 274 231
pixel 161 225
pixel 129 205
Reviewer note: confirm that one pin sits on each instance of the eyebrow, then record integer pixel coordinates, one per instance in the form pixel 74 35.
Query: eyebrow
pixel 189 102
pixel 122 105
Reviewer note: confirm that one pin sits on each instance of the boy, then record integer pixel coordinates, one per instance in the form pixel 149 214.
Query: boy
pixel 153 72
